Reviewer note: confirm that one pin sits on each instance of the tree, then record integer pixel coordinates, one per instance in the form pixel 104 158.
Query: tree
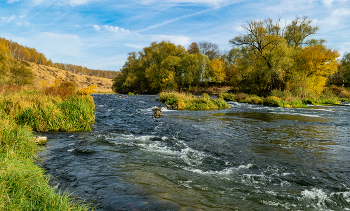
pixel 264 57
pixel 217 71
pixel 298 31
pixel 161 66
pixel 193 48
pixel 21 75
pixel 209 49
pixel 314 64
pixel 194 66
pixel 344 68
pixel 6 61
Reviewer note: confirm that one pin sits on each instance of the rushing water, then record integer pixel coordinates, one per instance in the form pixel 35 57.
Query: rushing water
pixel 248 157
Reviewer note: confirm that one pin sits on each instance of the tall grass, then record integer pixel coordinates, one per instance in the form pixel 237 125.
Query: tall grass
pixel 331 96
pixel 182 101
pixel 23 185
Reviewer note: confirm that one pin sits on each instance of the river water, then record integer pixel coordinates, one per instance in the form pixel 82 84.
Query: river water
pixel 248 157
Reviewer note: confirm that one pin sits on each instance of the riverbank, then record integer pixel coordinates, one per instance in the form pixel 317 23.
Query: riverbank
pixel 331 96
pixel 24 185
pixel 182 101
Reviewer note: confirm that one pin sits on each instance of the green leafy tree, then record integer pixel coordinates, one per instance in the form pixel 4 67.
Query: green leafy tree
pixel 21 75
pixel 264 57
pixel 298 30
pixel 344 68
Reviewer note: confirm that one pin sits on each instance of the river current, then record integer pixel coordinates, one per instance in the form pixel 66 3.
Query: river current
pixel 248 157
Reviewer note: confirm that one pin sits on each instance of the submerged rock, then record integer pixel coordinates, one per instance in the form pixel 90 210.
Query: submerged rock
pixel 157 112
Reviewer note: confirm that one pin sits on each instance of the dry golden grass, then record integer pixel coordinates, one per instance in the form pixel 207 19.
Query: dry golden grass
pixel 47 75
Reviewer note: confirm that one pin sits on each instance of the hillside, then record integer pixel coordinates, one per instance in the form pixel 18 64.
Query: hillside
pixel 49 74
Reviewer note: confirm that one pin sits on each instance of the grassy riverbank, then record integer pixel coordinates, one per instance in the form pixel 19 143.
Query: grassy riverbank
pixel 182 101
pixel 331 96
pixel 23 185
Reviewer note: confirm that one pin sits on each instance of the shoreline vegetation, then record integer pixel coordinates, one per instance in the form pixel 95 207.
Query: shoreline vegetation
pixel 23 110
pixel 182 101
pixel 331 96
pixel 185 101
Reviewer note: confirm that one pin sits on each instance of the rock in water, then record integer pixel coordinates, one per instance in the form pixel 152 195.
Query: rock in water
pixel 157 112
pixel 41 140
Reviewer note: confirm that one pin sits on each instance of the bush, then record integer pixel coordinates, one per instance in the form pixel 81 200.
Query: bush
pixel 240 97
pixel 273 101
pixel 181 101
pixel 253 99
pixel 228 96
pixel 88 90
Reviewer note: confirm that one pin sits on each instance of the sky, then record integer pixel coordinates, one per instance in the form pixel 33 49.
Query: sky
pixel 99 34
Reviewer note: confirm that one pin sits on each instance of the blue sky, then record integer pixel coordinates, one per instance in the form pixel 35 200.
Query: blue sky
pixel 100 33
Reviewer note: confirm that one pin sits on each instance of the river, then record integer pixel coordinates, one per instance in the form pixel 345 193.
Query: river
pixel 248 157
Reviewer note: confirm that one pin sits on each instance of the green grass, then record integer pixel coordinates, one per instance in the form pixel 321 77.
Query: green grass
pixel 23 185
pixel 182 101
pixel 331 96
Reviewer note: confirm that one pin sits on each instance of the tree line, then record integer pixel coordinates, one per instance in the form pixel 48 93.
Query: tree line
pixel 268 56
pixel 23 53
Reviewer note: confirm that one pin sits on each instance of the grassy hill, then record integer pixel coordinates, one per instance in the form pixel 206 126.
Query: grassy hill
pixel 49 74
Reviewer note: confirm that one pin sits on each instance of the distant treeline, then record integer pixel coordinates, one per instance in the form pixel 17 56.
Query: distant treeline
pixel 23 53
pixel 268 56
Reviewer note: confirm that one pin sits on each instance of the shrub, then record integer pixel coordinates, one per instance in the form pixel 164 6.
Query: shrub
pixel 253 99
pixel 181 101
pixel 228 96
pixel 88 90
pixel 240 97
pixel 273 101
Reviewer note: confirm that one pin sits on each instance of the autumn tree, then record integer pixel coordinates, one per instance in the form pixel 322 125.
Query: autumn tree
pixel 161 66
pixel 216 71
pixel 209 49
pixel 194 68
pixel 298 30
pixel 21 75
pixel 265 56
pixel 344 68
pixel 193 48
pixel 313 66
pixel 6 61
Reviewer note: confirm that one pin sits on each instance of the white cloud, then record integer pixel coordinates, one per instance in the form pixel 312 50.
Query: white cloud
pixel 176 39
pixel 212 3
pixel 336 18
pixel 134 46
pixel 69 2
pixel 96 27
pixel 114 29
pixel 341 12
pixel 12 1
pixel 328 3
pixel 172 20
pixel 7 19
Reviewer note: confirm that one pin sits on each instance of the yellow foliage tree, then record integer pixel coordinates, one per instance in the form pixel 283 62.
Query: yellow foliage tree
pixel 314 64
pixel 217 71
